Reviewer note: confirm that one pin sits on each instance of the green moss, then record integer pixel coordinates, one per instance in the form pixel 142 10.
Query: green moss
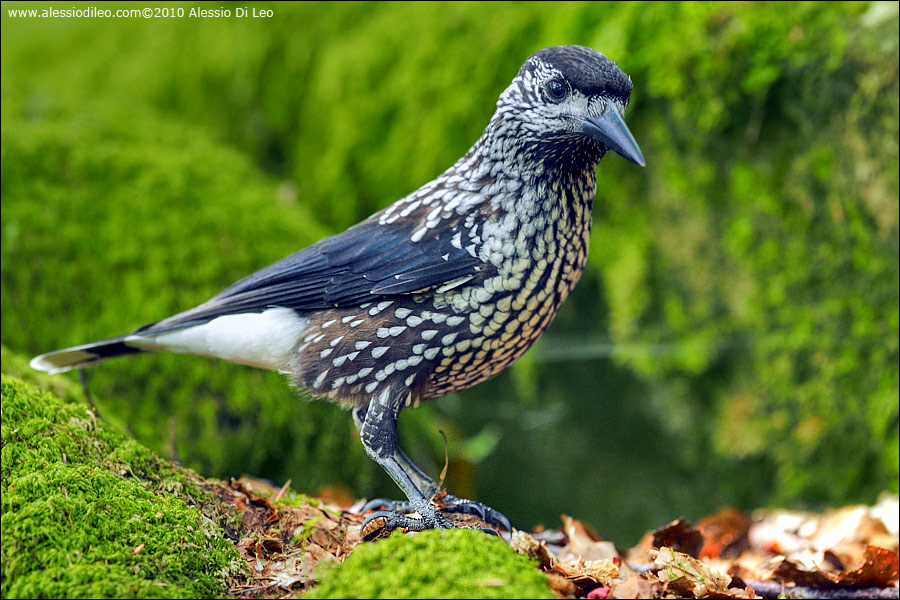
pixel 90 513
pixel 458 563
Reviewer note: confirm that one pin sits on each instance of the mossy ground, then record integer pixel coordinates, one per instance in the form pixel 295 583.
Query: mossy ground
pixel 90 513
pixel 87 512
pixel 457 563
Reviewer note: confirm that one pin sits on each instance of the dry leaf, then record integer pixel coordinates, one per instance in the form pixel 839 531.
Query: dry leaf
pixel 680 536
pixel 879 570
pixel 523 543
pixel 782 531
pixel 635 585
pixel 723 532
pixel 798 573
pixel 688 575
pixel 561 585
pixel 585 543
pixel 604 571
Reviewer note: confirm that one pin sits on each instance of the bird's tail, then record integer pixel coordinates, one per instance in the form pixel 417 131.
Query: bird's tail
pixel 66 359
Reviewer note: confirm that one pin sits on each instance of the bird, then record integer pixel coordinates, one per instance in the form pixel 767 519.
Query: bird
pixel 433 294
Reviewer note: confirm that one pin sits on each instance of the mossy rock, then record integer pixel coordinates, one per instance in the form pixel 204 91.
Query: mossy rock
pixel 457 563
pixel 89 513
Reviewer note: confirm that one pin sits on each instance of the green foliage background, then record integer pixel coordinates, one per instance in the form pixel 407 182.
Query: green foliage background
pixel 734 341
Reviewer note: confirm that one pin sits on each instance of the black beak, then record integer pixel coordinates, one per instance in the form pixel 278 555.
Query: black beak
pixel 610 130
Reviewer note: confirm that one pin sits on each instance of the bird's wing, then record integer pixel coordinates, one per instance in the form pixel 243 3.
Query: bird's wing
pixel 366 263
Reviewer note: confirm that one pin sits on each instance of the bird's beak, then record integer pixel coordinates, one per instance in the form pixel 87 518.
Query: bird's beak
pixel 610 130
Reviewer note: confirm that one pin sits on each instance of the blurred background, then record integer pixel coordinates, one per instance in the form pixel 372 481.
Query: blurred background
pixel 734 341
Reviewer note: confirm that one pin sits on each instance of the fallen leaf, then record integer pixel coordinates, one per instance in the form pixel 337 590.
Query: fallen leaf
pixel 847 525
pixel 887 510
pixel 687 575
pixel 585 543
pixel 680 536
pixel 636 585
pixel 604 571
pixel 793 571
pixel 561 585
pixel 640 554
pixel 781 531
pixel 525 544
pixel 598 572
pixel 723 532
pixel 879 570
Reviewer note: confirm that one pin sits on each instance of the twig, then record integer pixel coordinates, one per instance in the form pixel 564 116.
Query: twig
pixel 173 441
pixel 281 492
pixel 437 490
pixel 83 378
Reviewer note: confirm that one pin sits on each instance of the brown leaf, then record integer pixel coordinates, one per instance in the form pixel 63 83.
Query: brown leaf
pixel 272 545
pixel 879 570
pixel 723 531
pixel 680 536
pixel 789 571
pixel 683 587
pixel 847 557
pixel 585 543
pixel 561 585
pixel 747 568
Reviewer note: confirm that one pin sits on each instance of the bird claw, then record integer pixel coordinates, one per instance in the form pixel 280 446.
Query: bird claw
pixel 395 513
pixel 396 519
pixel 477 509
pixel 385 504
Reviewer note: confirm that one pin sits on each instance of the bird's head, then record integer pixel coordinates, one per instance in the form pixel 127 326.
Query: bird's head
pixel 567 102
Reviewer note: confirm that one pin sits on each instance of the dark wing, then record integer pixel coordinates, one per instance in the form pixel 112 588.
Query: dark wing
pixel 367 262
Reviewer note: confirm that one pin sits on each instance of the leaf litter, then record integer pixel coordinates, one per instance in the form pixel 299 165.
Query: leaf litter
pixel 849 552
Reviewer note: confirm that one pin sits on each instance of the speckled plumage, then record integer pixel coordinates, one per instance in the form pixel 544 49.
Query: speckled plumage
pixel 524 217
pixel 436 292
pixel 531 247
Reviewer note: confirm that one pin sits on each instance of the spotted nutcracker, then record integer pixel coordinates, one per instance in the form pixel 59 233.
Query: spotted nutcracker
pixel 435 293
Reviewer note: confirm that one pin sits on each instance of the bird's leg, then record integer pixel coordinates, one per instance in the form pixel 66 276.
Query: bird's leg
pixel 378 433
pixel 424 484
pixel 422 481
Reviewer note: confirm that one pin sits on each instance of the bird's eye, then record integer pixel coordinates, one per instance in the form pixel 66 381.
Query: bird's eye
pixel 556 90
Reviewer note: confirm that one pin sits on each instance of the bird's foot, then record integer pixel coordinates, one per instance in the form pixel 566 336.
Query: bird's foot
pixel 396 514
pixel 485 513
pixel 399 519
